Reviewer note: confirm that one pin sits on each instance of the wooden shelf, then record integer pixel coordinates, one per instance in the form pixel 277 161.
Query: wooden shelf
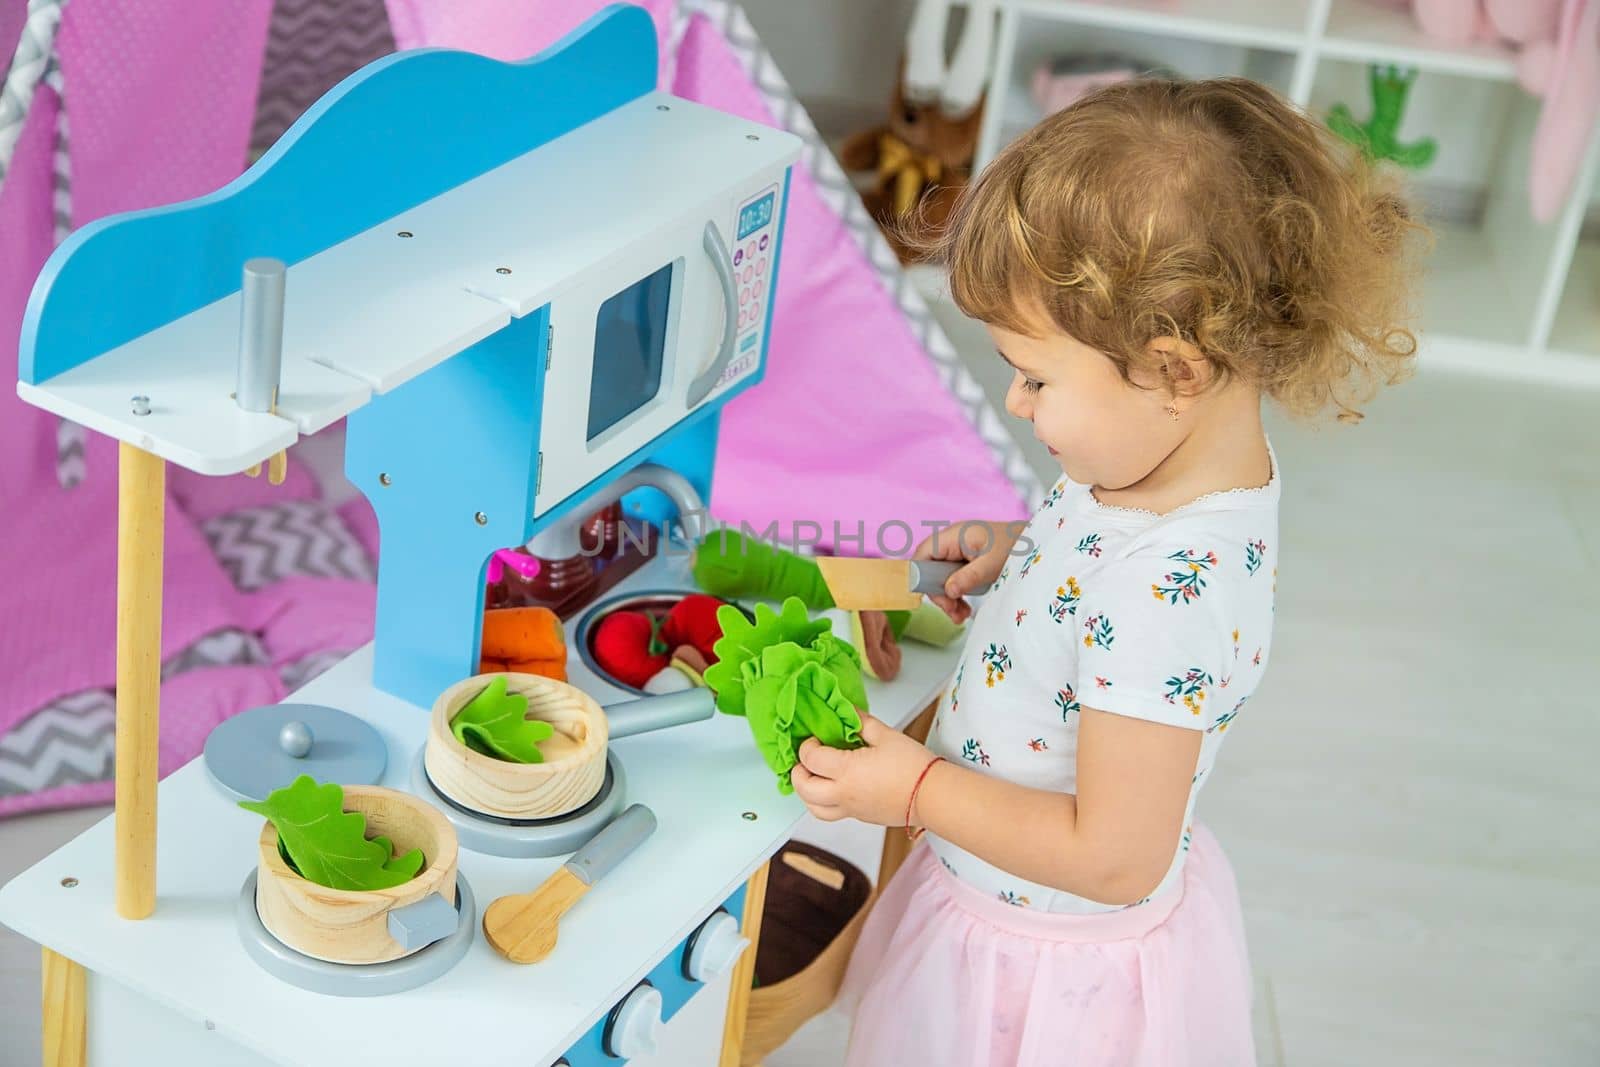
pixel 1366 32
pixel 1499 294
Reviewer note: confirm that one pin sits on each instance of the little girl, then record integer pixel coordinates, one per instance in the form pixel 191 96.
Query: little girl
pixel 1150 262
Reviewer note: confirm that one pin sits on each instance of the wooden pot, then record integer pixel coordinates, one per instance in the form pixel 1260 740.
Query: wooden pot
pixel 574 766
pixel 349 926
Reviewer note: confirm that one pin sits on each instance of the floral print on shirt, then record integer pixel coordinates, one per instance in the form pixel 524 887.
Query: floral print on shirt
pixel 1067 701
pixel 1100 633
pixel 1190 687
pixel 1066 599
pixel 1185 584
pixel 996 661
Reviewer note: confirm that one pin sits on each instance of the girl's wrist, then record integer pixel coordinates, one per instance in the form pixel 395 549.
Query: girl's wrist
pixel 914 824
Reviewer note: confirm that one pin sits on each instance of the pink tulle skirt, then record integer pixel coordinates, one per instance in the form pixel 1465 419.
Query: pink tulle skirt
pixel 945 976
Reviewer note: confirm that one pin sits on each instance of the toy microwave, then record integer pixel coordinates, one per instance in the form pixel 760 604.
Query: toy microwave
pixel 659 281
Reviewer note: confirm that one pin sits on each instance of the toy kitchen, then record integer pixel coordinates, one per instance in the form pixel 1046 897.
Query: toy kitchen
pixel 529 288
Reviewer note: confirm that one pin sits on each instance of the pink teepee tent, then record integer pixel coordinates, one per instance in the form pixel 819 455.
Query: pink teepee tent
pixel 112 105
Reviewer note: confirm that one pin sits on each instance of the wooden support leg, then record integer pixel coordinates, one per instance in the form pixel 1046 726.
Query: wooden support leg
pixel 62 1033
pixel 755 902
pixel 141 500
pixel 896 845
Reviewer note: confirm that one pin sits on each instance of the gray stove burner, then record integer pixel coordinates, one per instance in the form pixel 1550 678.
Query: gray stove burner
pixel 354 979
pixel 528 839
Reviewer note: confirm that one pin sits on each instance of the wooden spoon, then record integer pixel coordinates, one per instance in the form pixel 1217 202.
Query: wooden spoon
pixel 522 926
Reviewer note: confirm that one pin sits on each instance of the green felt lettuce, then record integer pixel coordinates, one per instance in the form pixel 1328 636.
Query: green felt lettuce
pixel 326 844
pixel 791 679
pixel 495 723
pixel 791 697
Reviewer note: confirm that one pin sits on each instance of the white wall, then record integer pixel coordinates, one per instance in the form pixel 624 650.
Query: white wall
pixel 834 52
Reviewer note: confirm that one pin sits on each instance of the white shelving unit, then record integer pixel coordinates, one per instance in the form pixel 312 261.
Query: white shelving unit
pixel 1503 293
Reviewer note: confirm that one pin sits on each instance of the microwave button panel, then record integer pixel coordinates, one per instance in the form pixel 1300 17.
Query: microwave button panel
pixel 755 226
pixel 753 232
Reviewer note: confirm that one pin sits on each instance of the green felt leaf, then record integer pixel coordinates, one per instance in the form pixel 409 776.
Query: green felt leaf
pixel 411 863
pixel 328 845
pixel 495 723
pixel 791 678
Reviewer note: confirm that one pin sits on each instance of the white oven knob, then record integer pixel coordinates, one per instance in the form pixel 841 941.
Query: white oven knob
pixel 715 948
pixel 636 1025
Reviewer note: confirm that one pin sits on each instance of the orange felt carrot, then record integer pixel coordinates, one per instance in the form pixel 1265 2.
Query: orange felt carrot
pixel 524 633
pixel 549 668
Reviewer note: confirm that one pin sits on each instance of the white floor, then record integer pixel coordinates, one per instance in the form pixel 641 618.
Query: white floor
pixel 1411 804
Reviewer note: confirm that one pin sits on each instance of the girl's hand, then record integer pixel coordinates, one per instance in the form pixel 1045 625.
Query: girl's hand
pixel 872 784
pixel 983 546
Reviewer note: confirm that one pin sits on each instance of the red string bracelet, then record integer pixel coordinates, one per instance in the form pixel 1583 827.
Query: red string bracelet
pixel 912 802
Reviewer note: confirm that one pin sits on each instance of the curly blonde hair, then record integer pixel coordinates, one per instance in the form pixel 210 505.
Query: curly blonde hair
pixel 1209 211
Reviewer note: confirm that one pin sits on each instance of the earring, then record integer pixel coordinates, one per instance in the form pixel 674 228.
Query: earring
pixel 1172 409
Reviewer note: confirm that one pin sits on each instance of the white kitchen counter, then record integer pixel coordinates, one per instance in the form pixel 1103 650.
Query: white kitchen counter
pixel 701 780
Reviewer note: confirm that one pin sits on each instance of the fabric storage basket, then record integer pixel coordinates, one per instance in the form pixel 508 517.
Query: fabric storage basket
pixel 815 907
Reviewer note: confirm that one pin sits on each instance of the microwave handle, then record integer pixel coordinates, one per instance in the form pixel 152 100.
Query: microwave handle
pixel 722 262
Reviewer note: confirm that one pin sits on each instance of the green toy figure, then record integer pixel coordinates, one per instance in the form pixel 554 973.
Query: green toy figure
pixel 1379 137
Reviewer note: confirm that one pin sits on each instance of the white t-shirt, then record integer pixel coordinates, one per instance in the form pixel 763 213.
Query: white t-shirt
pixel 1159 617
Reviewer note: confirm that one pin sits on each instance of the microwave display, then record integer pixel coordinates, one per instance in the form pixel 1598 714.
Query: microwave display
pixel 756 215
pixel 630 342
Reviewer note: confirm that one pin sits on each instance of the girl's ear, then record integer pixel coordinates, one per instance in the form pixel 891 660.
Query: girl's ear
pixel 1187 370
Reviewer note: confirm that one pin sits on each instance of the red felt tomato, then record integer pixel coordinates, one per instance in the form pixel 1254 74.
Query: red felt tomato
pixel 693 621
pixel 623 646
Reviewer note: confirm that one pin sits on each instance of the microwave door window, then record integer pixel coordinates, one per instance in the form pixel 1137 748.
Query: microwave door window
pixel 630 342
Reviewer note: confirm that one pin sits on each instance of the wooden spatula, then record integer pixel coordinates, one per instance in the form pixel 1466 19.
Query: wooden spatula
pixel 522 927
pixel 859 584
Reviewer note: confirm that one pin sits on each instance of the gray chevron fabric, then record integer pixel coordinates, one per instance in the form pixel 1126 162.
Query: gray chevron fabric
pixel 71 463
pixel 68 742
pixel 311 46
pixel 295 538
pixel 72 740
pixel 25 72
pixel 222 648
pixel 61 160
pixel 71 439
pixel 842 196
